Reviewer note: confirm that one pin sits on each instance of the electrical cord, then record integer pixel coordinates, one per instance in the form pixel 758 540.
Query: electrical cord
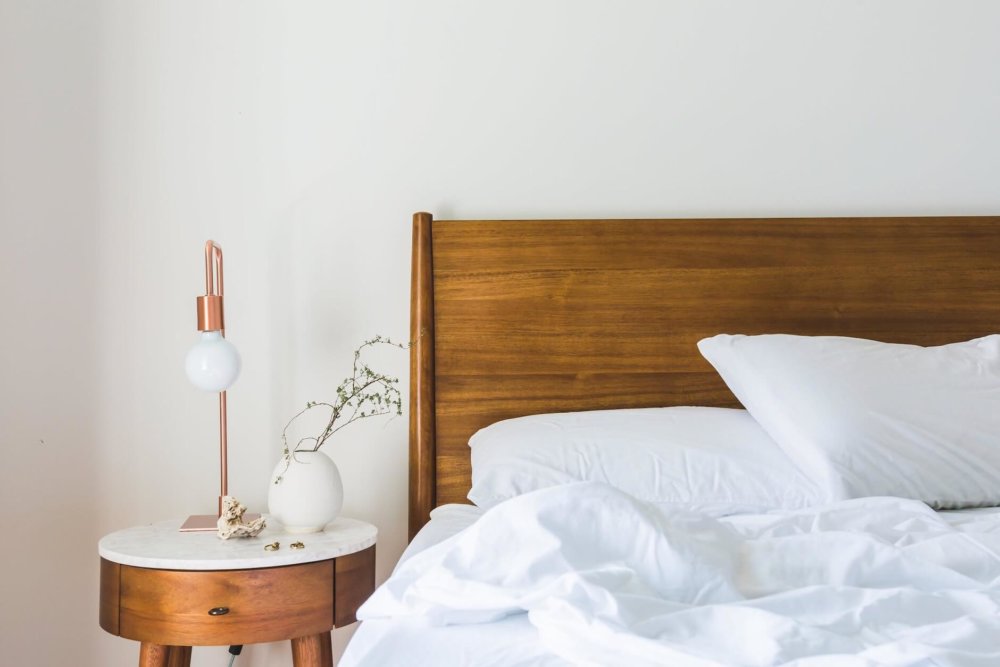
pixel 233 652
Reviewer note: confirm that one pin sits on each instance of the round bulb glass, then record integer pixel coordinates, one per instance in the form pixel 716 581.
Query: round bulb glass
pixel 213 364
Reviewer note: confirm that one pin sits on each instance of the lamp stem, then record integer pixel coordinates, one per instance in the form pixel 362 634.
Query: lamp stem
pixel 214 285
pixel 223 458
pixel 213 269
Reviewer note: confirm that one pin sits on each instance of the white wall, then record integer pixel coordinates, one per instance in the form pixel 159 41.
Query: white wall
pixel 50 499
pixel 302 135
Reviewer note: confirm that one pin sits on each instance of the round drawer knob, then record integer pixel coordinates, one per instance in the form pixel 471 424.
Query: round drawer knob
pixel 218 611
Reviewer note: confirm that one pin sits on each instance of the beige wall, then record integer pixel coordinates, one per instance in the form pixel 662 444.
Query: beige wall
pixel 302 135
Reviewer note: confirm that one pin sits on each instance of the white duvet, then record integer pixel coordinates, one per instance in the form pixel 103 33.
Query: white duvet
pixel 608 580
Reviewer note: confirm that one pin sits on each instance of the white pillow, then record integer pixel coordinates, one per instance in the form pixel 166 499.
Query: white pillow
pixel 865 418
pixel 714 460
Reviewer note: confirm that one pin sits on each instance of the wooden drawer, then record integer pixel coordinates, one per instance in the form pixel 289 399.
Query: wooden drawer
pixel 172 606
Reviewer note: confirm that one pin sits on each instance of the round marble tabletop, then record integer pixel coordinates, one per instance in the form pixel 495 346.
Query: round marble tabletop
pixel 162 546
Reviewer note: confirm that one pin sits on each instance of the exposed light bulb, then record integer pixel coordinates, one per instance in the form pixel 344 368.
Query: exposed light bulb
pixel 213 364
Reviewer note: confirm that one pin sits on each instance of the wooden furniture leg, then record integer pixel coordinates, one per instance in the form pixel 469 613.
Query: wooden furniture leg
pixel 312 651
pixel 154 655
pixel 180 656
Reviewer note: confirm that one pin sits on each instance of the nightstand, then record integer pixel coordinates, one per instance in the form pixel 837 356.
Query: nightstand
pixel 172 590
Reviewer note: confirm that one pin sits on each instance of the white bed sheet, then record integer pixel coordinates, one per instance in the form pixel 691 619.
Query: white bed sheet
pixel 511 641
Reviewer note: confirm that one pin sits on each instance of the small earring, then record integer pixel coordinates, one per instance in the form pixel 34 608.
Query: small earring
pixel 297 545
pixel 273 546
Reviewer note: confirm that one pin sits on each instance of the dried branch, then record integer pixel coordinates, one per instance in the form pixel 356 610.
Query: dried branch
pixel 366 393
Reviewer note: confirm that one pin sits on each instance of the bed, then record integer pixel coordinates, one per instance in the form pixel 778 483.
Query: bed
pixel 531 317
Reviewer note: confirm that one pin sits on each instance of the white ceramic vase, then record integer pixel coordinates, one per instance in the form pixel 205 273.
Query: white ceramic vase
pixel 309 495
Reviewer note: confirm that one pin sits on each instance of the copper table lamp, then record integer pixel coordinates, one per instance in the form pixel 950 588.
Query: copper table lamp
pixel 213 364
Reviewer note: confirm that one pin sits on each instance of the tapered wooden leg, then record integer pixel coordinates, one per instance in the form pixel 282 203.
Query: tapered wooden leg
pixel 312 651
pixel 154 655
pixel 180 656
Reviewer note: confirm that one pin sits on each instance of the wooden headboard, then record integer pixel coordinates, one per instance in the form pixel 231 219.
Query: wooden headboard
pixel 512 318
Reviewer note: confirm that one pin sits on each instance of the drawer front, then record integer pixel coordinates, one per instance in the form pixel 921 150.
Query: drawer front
pixel 248 606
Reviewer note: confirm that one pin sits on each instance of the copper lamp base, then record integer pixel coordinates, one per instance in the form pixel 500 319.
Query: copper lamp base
pixel 206 522
pixel 197 522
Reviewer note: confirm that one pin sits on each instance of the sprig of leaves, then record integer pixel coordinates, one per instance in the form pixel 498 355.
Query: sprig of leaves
pixel 366 393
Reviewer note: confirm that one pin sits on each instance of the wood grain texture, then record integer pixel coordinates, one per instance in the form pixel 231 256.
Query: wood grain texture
pixel 180 656
pixel 110 583
pixel 171 606
pixel 157 655
pixel 355 582
pixel 154 655
pixel 547 316
pixel 312 651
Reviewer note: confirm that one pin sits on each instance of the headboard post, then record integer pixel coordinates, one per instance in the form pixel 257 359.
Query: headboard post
pixel 422 449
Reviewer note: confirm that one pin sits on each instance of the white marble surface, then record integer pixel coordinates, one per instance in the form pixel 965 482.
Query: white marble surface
pixel 163 546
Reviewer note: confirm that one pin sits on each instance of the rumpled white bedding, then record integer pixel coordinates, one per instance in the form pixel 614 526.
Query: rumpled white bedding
pixel 607 580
